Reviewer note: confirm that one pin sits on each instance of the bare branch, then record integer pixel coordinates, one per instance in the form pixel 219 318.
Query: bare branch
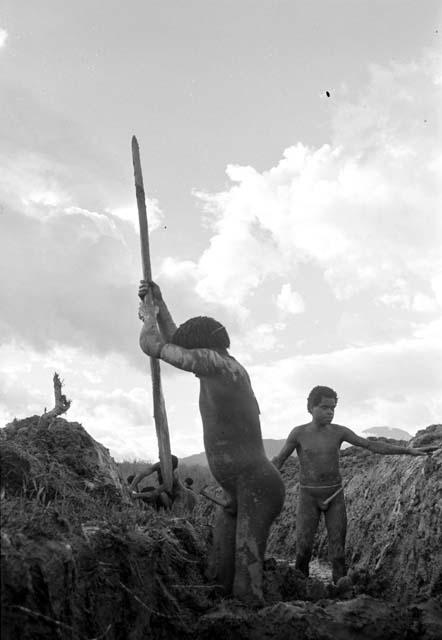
pixel 62 404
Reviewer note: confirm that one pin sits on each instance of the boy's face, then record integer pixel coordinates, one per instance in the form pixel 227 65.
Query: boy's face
pixel 323 412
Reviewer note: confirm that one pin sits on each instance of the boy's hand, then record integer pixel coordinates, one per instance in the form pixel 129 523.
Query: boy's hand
pixel 427 450
pixel 155 290
pixel 420 452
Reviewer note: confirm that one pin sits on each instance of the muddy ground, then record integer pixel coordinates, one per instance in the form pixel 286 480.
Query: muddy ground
pixel 80 560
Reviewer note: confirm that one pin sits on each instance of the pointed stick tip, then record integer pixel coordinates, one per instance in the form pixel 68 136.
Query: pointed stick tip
pixel 134 141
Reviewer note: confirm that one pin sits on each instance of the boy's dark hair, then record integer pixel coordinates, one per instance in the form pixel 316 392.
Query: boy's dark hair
pixel 315 395
pixel 201 333
pixel 188 481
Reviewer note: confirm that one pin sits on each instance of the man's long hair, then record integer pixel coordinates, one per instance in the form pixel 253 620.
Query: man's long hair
pixel 201 333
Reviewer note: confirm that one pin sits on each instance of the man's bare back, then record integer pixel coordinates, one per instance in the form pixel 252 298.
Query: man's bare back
pixel 228 407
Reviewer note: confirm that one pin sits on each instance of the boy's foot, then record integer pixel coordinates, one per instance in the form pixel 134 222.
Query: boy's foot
pixel 344 587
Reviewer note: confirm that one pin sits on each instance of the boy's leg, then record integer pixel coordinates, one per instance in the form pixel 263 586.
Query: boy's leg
pixel 336 523
pixel 260 501
pixel 307 519
pixel 222 555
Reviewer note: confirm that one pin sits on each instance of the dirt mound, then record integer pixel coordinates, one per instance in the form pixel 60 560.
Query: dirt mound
pixel 58 457
pixel 363 618
pixel 82 561
pixel 122 583
pixel 149 582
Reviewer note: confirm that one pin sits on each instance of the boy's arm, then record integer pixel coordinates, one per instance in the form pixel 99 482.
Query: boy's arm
pixel 377 446
pixel 286 451
pixel 165 321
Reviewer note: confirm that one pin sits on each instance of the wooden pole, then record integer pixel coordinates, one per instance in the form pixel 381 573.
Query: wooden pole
pixel 159 407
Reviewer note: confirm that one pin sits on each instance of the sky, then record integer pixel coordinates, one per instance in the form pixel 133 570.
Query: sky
pixel 292 158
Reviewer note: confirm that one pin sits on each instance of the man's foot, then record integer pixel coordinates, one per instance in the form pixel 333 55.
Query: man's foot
pixel 251 602
pixel 248 597
pixel 300 574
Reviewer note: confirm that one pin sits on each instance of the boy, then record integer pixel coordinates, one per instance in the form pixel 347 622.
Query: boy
pixel 320 484
pixel 232 439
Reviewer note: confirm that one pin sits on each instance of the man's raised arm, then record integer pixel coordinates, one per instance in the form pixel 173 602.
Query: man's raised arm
pixel 286 450
pixel 144 474
pixel 377 446
pixel 201 362
pixel 164 318
pixel 151 341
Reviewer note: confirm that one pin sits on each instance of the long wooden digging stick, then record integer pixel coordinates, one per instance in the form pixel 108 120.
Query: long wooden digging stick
pixel 159 407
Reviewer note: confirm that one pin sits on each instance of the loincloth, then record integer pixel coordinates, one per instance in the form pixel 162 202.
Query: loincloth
pixel 323 495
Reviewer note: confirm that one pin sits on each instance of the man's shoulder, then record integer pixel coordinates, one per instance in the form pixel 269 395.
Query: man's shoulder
pixel 230 368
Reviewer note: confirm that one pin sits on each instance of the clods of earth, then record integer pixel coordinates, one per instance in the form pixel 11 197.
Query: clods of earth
pixel 81 560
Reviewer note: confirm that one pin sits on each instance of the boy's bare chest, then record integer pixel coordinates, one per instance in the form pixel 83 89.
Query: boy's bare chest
pixel 319 444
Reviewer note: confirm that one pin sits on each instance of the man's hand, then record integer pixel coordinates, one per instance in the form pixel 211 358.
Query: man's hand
pixel 155 290
pixel 143 290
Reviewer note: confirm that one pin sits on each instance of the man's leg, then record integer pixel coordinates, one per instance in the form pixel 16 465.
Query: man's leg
pixel 163 501
pixel 222 555
pixel 336 523
pixel 307 519
pixel 260 500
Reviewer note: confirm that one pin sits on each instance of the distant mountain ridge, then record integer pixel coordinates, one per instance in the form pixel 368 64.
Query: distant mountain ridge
pixel 387 432
pixel 273 447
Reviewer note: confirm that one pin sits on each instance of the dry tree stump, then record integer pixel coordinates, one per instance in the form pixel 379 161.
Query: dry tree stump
pixel 62 404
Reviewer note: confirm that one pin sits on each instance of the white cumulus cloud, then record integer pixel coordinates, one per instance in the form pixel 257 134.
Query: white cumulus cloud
pixel 396 384
pixel 3 37
pixel 364 208
pixel 129 213
pixel 289 301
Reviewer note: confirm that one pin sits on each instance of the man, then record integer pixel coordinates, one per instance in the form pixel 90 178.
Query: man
pixel 156 497
pixel 232 438
pixel 317 444
pixel 161 498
